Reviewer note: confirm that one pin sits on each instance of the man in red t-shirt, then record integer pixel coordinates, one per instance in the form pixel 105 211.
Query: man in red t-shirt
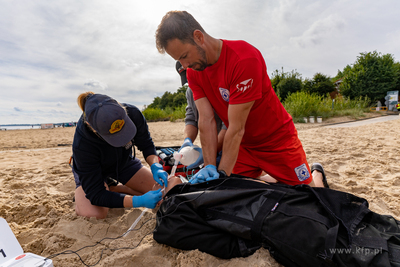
pixel 231 78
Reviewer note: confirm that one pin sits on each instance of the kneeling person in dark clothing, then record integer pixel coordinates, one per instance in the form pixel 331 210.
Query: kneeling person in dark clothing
pixel 102 151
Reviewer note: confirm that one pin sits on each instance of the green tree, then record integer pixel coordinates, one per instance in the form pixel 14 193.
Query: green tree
pixel 179 100
pixel 156 103
pixel 397 68
pixel 167 100
pixel 342 74
pixel 372 75
pixel 320 84
pixel 170 100
pixel 182 89
pixel 290 83
pixel 276 77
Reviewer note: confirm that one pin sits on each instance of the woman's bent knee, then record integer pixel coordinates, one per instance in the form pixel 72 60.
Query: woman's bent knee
pixel 84 208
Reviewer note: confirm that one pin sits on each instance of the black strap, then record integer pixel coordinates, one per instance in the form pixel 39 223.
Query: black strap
pixel 217 214
pixel 270 203
pixel 330 241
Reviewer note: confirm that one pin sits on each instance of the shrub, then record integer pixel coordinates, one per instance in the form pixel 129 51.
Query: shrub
pixel 303 104
pixel 179 113
pixel 154 114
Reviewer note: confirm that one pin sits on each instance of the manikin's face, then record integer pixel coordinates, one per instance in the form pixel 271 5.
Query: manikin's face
pixel 189 55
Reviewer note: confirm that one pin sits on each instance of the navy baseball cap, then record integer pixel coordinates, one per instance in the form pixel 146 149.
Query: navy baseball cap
pixel 109 119
pixel 182 72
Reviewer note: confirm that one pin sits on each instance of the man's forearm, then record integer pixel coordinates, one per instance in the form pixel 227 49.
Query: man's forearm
pixel 237 115
pixel 230 150
pixel 209 139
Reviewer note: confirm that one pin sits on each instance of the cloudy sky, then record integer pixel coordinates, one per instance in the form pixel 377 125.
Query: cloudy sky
pixel 51 51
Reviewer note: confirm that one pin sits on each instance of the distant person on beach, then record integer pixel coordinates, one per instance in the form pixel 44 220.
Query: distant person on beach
pixel 191 122
pixel 104 138
pixel 230 78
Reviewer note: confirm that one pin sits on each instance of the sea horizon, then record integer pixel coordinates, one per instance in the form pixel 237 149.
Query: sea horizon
pixel 26 126
pixel 21 124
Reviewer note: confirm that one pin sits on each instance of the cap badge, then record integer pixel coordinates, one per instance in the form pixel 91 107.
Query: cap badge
pixel 116 126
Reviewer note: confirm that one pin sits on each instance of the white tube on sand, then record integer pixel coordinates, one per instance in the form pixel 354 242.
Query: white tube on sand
pixel 135 222
pixel 177 158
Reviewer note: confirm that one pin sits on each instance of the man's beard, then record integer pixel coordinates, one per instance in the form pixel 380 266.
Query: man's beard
pixel 202 63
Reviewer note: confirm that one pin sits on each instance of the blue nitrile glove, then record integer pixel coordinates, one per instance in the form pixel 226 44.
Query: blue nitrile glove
pixel 208 173
pixel 159 175
pixel 148 200
pixel 199 160
pixel 186 142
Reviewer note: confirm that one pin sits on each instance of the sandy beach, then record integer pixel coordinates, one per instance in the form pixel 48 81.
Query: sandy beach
pixel 36 196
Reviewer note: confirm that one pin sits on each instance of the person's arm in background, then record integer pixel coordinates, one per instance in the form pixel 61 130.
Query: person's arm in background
pixel 191 128
pixel 190 131
pixel 191 117
pixel 237 116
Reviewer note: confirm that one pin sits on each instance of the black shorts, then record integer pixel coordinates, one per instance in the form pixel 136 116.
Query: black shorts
pixel 130 169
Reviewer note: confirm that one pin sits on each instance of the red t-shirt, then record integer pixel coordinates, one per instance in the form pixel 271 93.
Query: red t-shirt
pixel 240 76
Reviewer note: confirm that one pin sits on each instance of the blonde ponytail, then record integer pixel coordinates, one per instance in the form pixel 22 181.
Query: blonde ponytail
pixel 82 99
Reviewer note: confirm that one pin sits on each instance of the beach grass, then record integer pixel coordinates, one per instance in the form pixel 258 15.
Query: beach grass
pixel 155 114
pixel 302 104
pixel 298 105
pixel 178 113
pixel 167 114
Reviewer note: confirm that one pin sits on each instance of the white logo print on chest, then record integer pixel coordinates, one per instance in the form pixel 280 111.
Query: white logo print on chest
pixel 243 86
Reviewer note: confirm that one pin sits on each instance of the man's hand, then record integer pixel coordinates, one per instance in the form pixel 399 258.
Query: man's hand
pixel 148 200
pixel 159 175
pixel 206 174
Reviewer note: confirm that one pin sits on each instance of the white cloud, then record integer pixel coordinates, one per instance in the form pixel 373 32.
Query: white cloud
pixel 319 32
pixel 95 85
pixel 50 52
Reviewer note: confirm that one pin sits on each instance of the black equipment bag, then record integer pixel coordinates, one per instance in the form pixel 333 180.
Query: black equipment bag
pixel 299 225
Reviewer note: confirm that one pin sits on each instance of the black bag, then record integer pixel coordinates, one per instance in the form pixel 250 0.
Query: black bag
pixel 299 225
